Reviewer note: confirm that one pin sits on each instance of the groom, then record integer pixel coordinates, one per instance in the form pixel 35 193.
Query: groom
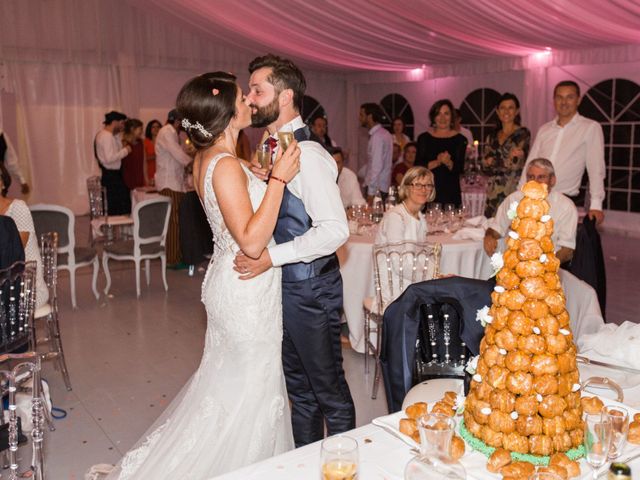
pixel 311 226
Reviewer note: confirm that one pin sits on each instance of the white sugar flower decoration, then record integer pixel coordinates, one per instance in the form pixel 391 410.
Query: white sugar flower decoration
pixel 472 365
pixel 564 332
pixel 483 316
pixel 514 415
pixel 485 411
pixel 514 235
pixel 498 288
pixel 477 378
pixel 511 213
pixel 543 258
pixel 545 218
pixel 497 262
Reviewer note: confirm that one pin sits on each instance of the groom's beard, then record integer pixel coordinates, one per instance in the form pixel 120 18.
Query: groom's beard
pixel 265 115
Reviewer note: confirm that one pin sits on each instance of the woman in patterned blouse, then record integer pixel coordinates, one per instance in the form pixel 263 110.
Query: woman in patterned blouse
pixel 505 153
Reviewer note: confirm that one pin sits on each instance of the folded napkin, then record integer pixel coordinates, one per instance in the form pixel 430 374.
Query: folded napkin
pixel 480 222
pixel 616 344
pixel 469 233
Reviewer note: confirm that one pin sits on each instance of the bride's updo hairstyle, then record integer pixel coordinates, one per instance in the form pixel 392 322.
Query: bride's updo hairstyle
pixel 207 103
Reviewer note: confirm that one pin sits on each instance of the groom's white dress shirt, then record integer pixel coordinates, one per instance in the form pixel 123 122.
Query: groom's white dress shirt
pixel 316 186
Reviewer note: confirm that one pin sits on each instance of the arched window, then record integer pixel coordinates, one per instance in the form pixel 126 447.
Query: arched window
pixel 311 108
pixel 478 111
pixel 395 105
pixel 615 104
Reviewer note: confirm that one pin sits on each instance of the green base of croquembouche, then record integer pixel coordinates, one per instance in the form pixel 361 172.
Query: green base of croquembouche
pixel 480 446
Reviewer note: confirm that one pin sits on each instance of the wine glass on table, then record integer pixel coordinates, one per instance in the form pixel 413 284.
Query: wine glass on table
pixel 339 458
pixel 597 440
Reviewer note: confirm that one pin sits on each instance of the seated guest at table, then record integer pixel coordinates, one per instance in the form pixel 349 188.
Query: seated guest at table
pixel 405 221
pixel 350 191
pixel 505 152
pixel 134 166
pixel 562 211
pixel 150 134
pixel 109 152
pixel 442 150
pixel 408 159
pixel 21 215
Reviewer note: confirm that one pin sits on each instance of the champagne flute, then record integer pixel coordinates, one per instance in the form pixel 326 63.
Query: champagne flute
pixel 263 154
pixel 285 138
pixel 597 440
pixel 339 458
pixel 619 418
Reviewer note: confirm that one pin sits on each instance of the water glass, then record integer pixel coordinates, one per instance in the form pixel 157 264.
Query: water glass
pixel 339 458
pixel 436 431
pixel 597 440
pixel 619 418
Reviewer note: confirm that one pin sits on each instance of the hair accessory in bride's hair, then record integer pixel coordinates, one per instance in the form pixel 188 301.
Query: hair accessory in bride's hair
pixel 215 91
pixel 186 124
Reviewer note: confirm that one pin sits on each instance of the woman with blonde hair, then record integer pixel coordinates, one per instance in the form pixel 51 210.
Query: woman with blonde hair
pixel 405 221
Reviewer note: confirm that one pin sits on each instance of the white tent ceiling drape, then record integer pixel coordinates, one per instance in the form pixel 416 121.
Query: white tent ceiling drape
pixel 63 63
pixel 391 36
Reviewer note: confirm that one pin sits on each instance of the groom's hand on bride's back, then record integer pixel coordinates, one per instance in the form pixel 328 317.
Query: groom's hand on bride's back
pixel 249 267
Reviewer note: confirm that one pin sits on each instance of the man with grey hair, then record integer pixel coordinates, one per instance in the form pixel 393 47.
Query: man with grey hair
pixel 562 211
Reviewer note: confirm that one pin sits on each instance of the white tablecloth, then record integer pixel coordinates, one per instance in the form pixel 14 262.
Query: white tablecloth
pixel 465 258
pixel 383 456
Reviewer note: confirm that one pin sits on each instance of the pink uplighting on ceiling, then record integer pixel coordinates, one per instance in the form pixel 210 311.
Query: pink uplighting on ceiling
pixel 391 36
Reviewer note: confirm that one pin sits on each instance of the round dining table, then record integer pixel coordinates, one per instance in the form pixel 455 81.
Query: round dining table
pixel 465 258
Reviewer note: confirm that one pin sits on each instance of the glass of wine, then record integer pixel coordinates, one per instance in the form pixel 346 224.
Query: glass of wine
pixel 597 440
pixel 619 418
pixel 263 154
pixel 339 458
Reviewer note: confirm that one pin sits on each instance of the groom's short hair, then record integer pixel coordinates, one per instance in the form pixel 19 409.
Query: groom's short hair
pixel 284 74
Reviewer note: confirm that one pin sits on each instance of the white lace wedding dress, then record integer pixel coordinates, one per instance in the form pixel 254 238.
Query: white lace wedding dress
pixel 234 411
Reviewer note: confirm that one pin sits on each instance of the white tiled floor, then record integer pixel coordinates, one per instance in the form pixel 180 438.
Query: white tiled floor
pixel 129 357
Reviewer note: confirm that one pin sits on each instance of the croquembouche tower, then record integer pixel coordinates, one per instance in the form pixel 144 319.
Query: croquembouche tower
pixel 525 393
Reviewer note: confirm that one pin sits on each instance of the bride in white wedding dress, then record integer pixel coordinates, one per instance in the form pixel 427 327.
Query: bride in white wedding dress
pixel 234 411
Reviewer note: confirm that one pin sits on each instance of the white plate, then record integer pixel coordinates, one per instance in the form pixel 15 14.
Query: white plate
pixel 391 423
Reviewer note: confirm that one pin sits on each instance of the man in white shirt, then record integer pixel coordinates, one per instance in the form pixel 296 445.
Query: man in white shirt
pixel 562 210
pixel 171 161
pixel 350 191
pixel 311 226
pixel 379 151
pixel 9 164
pixel 109 153
pixel 573 143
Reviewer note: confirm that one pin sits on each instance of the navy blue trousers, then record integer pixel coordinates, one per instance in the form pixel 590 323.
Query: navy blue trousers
pixel 312 358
